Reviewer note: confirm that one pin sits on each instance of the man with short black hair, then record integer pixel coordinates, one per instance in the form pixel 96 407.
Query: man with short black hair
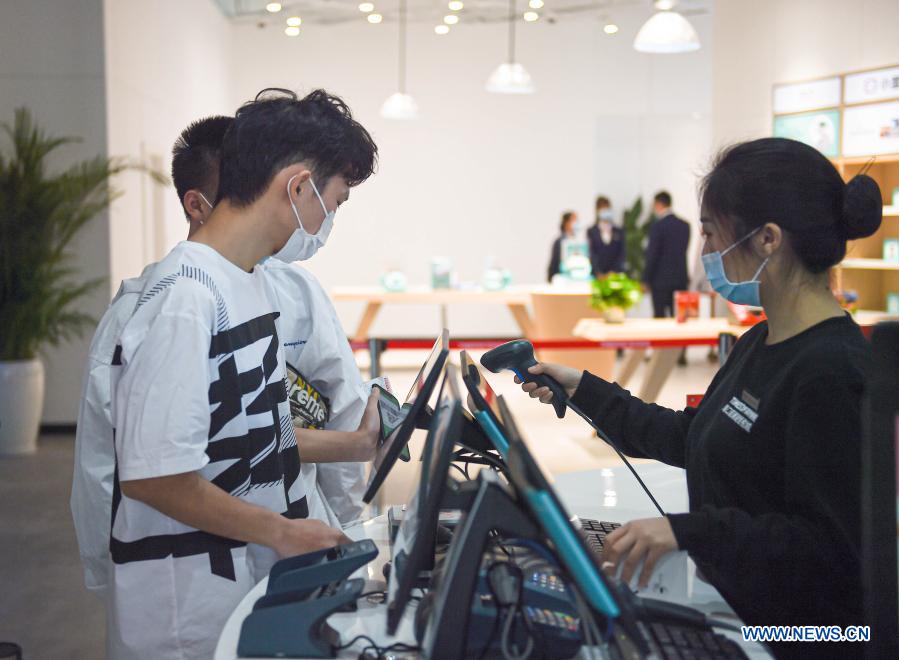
pixel 666 256
pixel 195 172
pixel 208 471
pixel 196 158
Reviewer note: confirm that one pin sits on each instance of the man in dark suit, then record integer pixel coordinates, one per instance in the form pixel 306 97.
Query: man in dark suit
pixel 666 257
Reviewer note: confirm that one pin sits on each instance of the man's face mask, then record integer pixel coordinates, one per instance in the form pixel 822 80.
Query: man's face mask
pixel 302 245
pixel 739 293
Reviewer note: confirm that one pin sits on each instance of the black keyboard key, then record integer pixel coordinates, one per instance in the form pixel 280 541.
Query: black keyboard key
pixel 670 652
pixel 661 633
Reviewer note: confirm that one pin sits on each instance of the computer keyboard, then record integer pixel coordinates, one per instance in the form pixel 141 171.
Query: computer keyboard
pixel 676 642
pixel 595 532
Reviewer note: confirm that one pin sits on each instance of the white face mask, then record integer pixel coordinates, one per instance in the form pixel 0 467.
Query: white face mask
pixel 606 215
pixel 302 245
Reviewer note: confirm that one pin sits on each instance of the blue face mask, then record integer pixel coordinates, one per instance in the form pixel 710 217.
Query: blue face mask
pixel 739 293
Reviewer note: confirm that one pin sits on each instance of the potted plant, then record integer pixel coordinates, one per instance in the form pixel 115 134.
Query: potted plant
pixel 40 214
pixel 635 237
pixel 613 295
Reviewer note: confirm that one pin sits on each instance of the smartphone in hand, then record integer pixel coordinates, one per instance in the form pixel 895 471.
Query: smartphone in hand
pixel 392 416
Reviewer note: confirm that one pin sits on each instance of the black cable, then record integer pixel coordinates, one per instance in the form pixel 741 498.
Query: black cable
pixel 372 645
pixel 354 640
pixel 462 472
pixel 467 465
pixel 580 413
pixel 379 592
pixel 495 628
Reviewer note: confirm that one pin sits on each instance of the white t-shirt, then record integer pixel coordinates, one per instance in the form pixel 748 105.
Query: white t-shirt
pixel 315 345
pixel 201 388
pixel 92 477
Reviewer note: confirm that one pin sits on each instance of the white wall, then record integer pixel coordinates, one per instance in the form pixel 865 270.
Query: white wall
pixel 481 174
pixel 167 63
pixel 51 60
pixel 764 42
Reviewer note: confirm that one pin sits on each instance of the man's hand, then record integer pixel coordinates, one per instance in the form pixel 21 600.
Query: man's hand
pixel 196 502
pixel 369 431
pixel 568 378
pixel 323 446
pixel 649 539
pixel 297 537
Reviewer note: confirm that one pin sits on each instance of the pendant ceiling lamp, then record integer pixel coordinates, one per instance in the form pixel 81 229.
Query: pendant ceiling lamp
pixel 401 105
pixel 510 77
pixel 667 32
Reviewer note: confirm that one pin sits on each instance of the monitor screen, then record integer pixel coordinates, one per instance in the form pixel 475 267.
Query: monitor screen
pixel 483 402
pixel 393 445
pixel 413 549
pixel 533 488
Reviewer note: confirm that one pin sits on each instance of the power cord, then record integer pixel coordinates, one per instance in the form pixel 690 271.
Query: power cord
pixel 373 646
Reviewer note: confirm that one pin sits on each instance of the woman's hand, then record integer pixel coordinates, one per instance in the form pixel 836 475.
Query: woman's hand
pixel 568 378
pixel 648 539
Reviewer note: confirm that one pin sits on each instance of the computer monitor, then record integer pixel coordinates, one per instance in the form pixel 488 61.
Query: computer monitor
pixel 423 387
pixel 413 549
pixel 483 400
pixel 880 494
pixel 534 490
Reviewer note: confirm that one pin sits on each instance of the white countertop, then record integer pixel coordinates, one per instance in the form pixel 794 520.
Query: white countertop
pixel 608 494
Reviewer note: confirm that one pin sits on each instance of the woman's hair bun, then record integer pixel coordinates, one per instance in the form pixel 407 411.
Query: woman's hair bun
pixel 862 207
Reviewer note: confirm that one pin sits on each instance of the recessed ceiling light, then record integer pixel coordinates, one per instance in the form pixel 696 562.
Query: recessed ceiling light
pixel 366 7
pixel 451 19
pixel 292 31
pixel 375 18
pixel 294 21
pixel 456 5
pixel 442 29
pixel 531 16
pixel 273 7
pixel 536 4
pixel 664 5
pixel 610 28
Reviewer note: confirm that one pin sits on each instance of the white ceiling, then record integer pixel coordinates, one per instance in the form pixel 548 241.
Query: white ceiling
pixel 334 12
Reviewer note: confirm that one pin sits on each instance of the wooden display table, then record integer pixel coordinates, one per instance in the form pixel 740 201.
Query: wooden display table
pixel 515 298
pixel 666 337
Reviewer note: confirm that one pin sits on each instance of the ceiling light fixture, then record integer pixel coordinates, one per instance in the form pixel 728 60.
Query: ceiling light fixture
pixel 366 7
pixel 451 19
pixel 456 5
pixel 510 77
pixel 374 19
pixel 535 4
pixel 531 16
pixel 610 28
pixel 442 29
pixel 292 31
pixel 401 105
pixel 667 32
pixel 664 5
pixel 273 7
pixel 294 21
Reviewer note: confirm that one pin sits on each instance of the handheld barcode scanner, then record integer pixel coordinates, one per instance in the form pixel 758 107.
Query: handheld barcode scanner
pixel 518 356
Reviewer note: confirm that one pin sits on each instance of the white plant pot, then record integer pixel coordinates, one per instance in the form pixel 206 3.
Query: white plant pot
pixel 21 403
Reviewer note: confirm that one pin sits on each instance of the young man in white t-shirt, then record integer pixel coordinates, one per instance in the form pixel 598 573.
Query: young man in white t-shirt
pixel 208 481
pixel 195 172
pixel 333 489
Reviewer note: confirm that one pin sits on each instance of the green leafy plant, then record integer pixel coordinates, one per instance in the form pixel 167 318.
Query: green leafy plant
pixel 615 290
pixel 635 236
pixel 40 214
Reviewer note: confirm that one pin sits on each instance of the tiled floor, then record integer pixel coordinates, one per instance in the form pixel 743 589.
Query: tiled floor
pixel 43 603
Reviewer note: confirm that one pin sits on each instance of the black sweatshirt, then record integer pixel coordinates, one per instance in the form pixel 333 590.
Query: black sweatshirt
pixel 773 471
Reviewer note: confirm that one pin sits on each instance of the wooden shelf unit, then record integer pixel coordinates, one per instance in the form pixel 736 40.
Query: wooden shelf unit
pixel 864 269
